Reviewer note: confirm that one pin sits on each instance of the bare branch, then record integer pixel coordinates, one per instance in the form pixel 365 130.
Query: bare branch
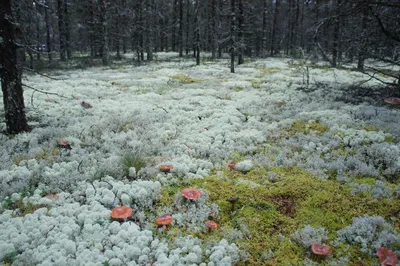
pixel 26 68
pixel 44 92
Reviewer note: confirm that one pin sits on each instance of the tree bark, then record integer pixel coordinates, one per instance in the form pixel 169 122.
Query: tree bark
pixel 241 33
pixel 187 26
pixel 61 29
pixel 104 34
pixel 197 33
pixel 10 74
pixel 233 35
pixel 264 29
pixel 214 38
pixel 48 36
pixel 66 30
pixel 274 28
pixel 180 28
pixel 362 47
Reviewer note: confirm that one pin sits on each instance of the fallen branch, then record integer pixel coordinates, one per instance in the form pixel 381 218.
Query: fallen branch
pixel 44 92
pixel 44 75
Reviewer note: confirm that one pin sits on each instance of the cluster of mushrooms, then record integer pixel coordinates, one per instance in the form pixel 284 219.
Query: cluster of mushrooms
pixel 124 212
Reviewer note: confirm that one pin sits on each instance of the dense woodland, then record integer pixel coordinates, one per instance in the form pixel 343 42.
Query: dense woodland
pixel 337 31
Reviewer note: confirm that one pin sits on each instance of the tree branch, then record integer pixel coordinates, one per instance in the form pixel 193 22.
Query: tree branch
pixel 44 92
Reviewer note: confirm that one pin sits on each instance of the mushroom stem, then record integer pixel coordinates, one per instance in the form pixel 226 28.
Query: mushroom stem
pixel 233 202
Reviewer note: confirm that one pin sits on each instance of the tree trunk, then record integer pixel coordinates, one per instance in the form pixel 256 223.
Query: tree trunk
pixel 10 74
pixel 61 28
pixel 214 38
pixel 92 29
pixel 149 30
pixel 180 28
pixel 275 28
pixel 197 33
pixel 336 35
pixel 241 33
pixel 66 30
pixel 264 29
pixel 233 34
pixel 104 34
pixel 48 36
pixel 173 26
pixel 187 26
pixel 361 53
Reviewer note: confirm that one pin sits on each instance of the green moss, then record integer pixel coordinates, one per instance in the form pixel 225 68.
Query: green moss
pixel 237 89
pixel 270 70
pixel 185 79
pixel 256 83
pixel 263 216
pixel 303 127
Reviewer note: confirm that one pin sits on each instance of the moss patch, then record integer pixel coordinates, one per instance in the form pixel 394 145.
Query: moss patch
pixel 270 70
pixel 303 127
pixel 185 79
pixel 268 214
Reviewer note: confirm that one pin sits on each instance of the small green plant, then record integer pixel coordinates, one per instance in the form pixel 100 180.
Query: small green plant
pixel 185 79
pixel 106 263
pixel 10 258
pixel 131 159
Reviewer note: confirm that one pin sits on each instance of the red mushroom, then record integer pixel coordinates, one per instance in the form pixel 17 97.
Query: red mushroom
pixel 53 197
pixel 387 257
pixel 122 212
pixel 211 225
pixel 231 166
pixel 165 168
pixel 191 193
pixel 164 220
pixel 64 144
pixel 392 100
pixel 321 249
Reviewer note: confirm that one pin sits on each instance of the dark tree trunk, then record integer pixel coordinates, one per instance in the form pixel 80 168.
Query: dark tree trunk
pixel 315 37
pixel 61 28
pixel 275 29
pixel 66 30
pixel 197 33
pixel 214 38
pixel 187 26
pixel 10 74
pixel 336 35
pixel 38 42
pixel 241 32
pixel 48 36
pixel 104 34
pixel 92 29
pixel 233 35
pixel 361 53
pixel 124 19
pixel 149 30
pixel 180 28
pixel 173 26
pixel 264 28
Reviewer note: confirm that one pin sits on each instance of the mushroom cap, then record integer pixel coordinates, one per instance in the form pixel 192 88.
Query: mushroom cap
pixel 164 220
pixel 392 100
pixel 191 193
pixel 231 165
pixel 63 143
pixel 53 197
pixel 211 224
pixel 122 212
pixel 321 249
pixel 387 257
pixel 165 168
pixel 233 200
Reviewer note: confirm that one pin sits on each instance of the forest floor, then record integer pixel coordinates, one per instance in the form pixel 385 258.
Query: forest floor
pixel 316 154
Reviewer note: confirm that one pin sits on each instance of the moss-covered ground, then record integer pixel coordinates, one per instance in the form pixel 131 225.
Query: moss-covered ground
pixel 271 212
